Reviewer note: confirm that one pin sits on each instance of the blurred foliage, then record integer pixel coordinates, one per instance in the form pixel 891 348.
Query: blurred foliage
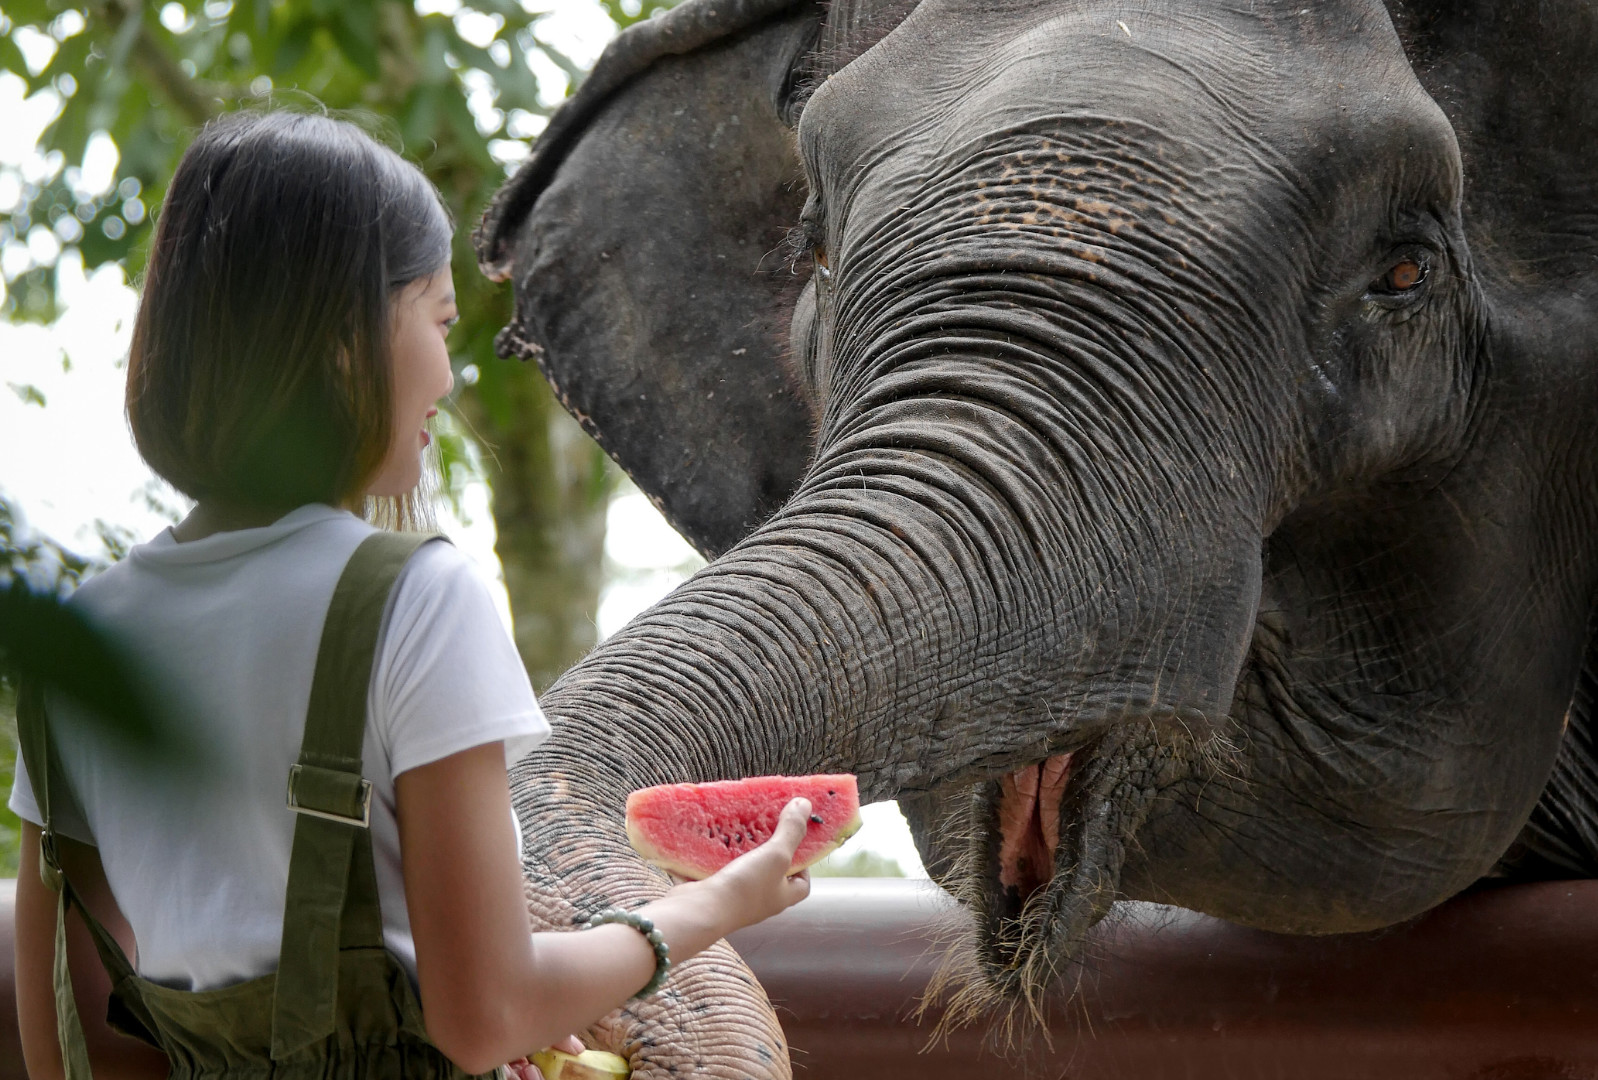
pixel 626 12
pixel 45 568
pixel 456 92
pixel 146 76
pixel 42 639
pixel 42 564
pixel 458 88
pixel 10 825
pixel 862 863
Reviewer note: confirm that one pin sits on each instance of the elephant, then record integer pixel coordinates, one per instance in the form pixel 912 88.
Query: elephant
pixel 1153 441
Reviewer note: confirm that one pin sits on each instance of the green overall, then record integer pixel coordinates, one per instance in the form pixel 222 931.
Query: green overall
pixel 339 1005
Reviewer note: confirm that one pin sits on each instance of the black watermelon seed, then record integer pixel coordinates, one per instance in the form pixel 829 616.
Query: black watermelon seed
pixel 815 819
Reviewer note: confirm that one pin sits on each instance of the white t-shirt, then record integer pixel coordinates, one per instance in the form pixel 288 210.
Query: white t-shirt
pixel 227 628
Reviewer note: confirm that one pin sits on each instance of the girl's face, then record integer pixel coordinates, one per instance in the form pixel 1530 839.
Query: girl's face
pixel 423 312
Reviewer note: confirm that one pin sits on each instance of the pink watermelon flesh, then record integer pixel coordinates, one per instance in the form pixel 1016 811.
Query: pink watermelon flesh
pixel 693 830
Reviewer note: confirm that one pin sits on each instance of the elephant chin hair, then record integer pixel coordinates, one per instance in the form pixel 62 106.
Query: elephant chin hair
pixel 962 991
pixel 961 984
pixel 1048 940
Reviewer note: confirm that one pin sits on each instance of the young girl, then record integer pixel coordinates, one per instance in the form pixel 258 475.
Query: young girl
pixel 289 349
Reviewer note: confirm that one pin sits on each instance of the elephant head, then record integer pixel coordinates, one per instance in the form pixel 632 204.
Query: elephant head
pixel 1152 441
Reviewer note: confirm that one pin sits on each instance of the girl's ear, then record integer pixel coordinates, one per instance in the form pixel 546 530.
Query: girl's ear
pixel 645 240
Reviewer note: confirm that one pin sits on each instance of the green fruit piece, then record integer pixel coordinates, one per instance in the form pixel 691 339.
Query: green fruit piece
pixel 589 1065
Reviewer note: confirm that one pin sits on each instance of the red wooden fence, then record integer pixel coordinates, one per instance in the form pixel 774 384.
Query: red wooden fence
pixel 1500 985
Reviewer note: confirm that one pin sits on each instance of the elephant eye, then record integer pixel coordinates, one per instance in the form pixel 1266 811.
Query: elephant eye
pixel 819 253
pixel 1403 278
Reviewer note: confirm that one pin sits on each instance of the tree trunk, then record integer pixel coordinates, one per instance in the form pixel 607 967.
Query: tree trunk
pixel 551 485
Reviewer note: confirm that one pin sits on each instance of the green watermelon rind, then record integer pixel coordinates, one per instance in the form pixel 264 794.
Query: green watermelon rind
pixel 698 872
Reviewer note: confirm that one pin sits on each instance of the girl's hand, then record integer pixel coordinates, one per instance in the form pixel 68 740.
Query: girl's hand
pixel 756 885
pixel 522 1069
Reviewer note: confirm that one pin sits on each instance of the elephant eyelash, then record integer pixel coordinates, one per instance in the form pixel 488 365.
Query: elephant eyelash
pixel 794 246
pixel 806 238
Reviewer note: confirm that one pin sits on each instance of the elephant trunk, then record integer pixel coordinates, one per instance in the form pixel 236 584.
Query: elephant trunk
pixel 769 661
pixel 800 651
pixel 795 653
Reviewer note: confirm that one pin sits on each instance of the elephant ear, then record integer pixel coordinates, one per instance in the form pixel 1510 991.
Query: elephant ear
pixel 645 240
pixel 1519 83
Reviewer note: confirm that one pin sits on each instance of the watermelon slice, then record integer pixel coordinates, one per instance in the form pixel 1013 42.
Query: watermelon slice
pixel 693 830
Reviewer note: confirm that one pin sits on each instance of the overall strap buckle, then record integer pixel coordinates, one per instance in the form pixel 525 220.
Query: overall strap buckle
pixel 50 862
pixel 331 794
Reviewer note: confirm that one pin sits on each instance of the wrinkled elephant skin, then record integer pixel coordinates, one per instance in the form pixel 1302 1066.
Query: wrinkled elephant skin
pixel 1152 441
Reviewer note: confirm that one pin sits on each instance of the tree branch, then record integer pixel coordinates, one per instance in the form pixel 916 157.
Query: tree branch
pixel 195 100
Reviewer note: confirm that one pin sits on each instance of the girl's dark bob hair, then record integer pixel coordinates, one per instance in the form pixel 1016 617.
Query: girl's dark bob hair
pixel 259 373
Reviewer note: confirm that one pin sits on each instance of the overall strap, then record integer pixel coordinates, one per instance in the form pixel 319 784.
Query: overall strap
pixel 38 757
pixel 43 765
pixel 331 901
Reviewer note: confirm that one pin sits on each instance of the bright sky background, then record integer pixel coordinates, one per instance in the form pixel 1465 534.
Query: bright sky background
pixel 70 465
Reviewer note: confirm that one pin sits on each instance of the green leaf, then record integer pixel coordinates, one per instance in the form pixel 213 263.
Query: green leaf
pixel 647 9
pixel 459 463
pixel 264 10
pixel 30 395
pixel 292 49
pixel 493 391
pixel 32 12
pixel 31 296
pixel 122 43
pixel 474 56
pixel 464 128
pixel 69 132
pixel 419 118
pixel 355 31
pixel 510 10
pixel 518 86
pixel 435 45
pixel 69 59
pixel 48 641
pixel 11 57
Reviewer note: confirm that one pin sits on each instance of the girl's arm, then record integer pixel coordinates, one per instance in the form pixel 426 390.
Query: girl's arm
pixel 112 1055
pixel 491 992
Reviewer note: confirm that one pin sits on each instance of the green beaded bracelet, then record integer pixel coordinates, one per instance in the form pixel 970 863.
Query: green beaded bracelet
pixel 646 927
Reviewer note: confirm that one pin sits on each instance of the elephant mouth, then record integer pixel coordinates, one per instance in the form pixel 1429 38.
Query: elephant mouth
pixel 1057 834
pixel 1029 828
